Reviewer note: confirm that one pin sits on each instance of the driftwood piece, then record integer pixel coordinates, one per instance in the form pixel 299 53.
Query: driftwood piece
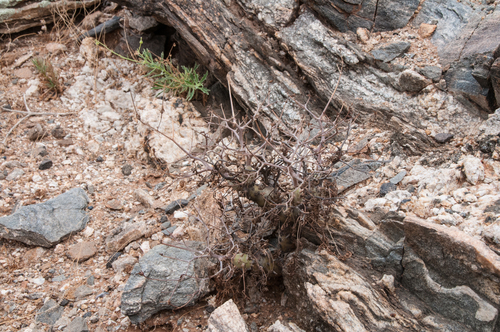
pixel 13 20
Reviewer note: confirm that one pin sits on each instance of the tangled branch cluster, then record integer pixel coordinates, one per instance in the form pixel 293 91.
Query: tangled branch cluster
pixel 268 188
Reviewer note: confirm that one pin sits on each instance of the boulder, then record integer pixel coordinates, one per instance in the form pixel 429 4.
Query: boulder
pixel 46 224
pixel 165 278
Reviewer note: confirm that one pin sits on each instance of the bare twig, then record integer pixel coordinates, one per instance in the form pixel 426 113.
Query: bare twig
pixel 29 113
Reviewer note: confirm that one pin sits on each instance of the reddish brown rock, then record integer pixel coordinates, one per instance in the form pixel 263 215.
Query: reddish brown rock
pixel 125 234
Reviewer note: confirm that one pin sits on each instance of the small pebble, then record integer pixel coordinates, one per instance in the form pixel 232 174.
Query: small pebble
pixel 127 169
pixel 45 164
pixel 99 159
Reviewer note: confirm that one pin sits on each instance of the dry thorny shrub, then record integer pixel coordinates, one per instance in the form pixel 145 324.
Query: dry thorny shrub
pixel 268 190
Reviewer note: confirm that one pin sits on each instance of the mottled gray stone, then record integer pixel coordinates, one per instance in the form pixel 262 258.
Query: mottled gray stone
pixel 398 177
pixel 48 223
pixel 49 313
pixel 78 324
pixel 165 278
pixel 412 81
pixel 443 137
pixel 274 14
pixel 82 292
pixel 431 72
pixel 387 188
pixel 175 205
pixel 389 52
pixel 459 303
pixel 353 173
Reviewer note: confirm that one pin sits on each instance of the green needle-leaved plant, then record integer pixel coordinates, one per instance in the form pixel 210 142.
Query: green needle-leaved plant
pixel 168 77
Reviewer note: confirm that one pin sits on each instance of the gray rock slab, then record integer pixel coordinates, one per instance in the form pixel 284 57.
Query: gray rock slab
pixel 165 278
pixel 398 177
pixel 443 137
pixel 386 188
pixel 49 313
pixel 459 303
pixel 394 14
pixel 78 324
pixel 175 205
pixel 389 52
pixel 48 223
pixel 353 173
pixel 82 292
pixel 431 72
pixel 227 318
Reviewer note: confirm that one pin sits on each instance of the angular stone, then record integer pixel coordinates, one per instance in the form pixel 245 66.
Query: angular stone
pixel 114 204
pixel 473 169
pixel 141 23
pixel 443 137
pixel 426 30
pixel 55 48
pixel 412 81
pixel 334 297
pixel 387 188
pixel 175 205
pixel 144 197
pixel 227 318
pixel 125 234
pixel 82 291
pixel 82 251
pixel 165 278
pixel 15 174
pixel 398 178
pixel 45 164
pixel 279 327
pixel 492 125
pixel 431 72
pixel 78 324
pixel 124 264
pixel 119 99
pixel 389 52
pixel 37 133
pixel 48 223
pixel 49 313
pixel 355 172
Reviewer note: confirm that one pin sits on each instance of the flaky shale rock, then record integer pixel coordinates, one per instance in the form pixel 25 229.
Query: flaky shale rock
pixel 165 278
pixel 46 224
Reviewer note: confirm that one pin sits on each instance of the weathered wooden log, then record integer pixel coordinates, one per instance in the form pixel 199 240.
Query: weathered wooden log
pixel 38 13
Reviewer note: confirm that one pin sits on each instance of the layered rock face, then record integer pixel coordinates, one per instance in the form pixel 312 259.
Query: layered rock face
pixel 405 274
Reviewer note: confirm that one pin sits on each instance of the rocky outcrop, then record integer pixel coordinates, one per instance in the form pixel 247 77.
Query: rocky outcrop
pixel 46 224
pixel 165 278
pixel 457 275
